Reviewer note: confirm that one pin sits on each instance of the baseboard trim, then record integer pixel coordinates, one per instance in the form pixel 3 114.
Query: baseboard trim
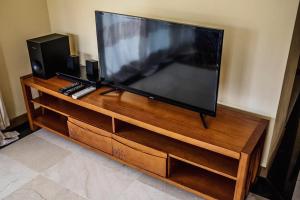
pixel 16 122
pixel 263 172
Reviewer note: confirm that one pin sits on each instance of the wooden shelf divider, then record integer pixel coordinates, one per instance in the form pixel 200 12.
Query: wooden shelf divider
pixel 52 122
pixel 68 109
pixel 206 184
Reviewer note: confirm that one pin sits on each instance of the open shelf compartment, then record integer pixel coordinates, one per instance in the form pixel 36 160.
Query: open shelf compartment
pixel 52 121
pixel 205 183
pixel 67 109
pixel 198 157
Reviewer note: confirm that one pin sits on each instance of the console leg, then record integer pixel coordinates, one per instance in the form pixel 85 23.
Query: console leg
pixel 31 112
pixel 108 91
pixel 203 121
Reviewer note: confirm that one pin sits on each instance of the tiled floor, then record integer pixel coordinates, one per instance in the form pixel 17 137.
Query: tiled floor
pixel 45 166
pixel 296 195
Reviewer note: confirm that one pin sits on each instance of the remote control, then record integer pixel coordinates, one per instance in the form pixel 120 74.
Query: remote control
pixel 62 90
pixel 74 89
pixel 83 92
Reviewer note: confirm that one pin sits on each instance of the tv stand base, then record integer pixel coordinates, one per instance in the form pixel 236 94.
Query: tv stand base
pixel 110 90
pixel 202 116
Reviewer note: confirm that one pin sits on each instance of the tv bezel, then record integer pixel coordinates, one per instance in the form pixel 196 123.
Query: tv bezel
pixel 150 95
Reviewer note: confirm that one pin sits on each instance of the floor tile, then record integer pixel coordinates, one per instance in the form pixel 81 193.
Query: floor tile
pixel 148 188
pixel 92 176
pixel 296 194
pixel 57 140
pixel 252 196
pixel 76 148
pixel 42 188
pixel 13 175
pixel 70 171
pixel 35 153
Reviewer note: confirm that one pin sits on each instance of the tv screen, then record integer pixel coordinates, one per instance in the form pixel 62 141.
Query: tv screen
pixel 171 62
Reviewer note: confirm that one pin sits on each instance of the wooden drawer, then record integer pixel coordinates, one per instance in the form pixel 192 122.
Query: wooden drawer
pixel 90 138
pixel 151 163
pixel 90 127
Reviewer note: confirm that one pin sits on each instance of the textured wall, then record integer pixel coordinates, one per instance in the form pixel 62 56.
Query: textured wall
pixel 19 21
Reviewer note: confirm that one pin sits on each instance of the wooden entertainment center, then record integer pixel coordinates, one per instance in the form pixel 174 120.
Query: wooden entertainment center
pixel 161 140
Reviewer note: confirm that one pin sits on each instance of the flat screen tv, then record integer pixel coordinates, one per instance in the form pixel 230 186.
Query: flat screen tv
pixel 171 62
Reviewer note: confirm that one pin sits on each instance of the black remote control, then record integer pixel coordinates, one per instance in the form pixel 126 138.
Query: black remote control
pixel 74 89
pixel 62 90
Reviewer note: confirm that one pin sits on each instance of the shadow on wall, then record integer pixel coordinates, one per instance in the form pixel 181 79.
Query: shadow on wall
pixel 74 43
pixel 5 85
pixel 237 62
pixel 75 48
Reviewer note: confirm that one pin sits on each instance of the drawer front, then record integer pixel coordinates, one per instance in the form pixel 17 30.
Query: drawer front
pixel 154 164
pixel 139 147
pixel 92 139
pixel 90 127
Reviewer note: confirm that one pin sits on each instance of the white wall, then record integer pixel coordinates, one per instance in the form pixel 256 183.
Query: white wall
pixel 256 45
pixel 287 88
pixel 19 21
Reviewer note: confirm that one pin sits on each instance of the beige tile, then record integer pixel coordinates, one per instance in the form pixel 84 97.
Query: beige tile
pixel 148 188
pixel 92 176
pixel 35 153
pixel 13 175
pixel 296 194
pixel 252 196
pixel 57 140
pixel 42 188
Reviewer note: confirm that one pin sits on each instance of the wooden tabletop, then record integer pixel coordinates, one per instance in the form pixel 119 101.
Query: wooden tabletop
pixel 230 132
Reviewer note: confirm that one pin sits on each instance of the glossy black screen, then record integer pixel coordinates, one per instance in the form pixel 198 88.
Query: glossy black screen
pixel 173 62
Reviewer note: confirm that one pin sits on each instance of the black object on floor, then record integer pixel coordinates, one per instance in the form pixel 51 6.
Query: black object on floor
pixel 282 177
pixel 284 171
pixel 263 187
pixel 23 129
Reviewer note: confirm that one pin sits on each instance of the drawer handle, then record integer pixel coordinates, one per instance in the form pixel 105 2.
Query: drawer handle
pixel 119 153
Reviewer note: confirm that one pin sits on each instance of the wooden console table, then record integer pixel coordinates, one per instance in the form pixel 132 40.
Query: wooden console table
pixel 159 139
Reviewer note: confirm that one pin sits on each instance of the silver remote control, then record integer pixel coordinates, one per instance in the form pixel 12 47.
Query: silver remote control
pixel 83 92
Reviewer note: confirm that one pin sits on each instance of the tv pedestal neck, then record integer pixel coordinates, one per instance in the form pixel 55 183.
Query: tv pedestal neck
pixel 202 116
pixel 161 140
pixel 113 89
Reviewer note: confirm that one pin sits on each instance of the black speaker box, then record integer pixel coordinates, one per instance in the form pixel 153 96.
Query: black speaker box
pixel 73 64
pixel 91 68
pixel 48 54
